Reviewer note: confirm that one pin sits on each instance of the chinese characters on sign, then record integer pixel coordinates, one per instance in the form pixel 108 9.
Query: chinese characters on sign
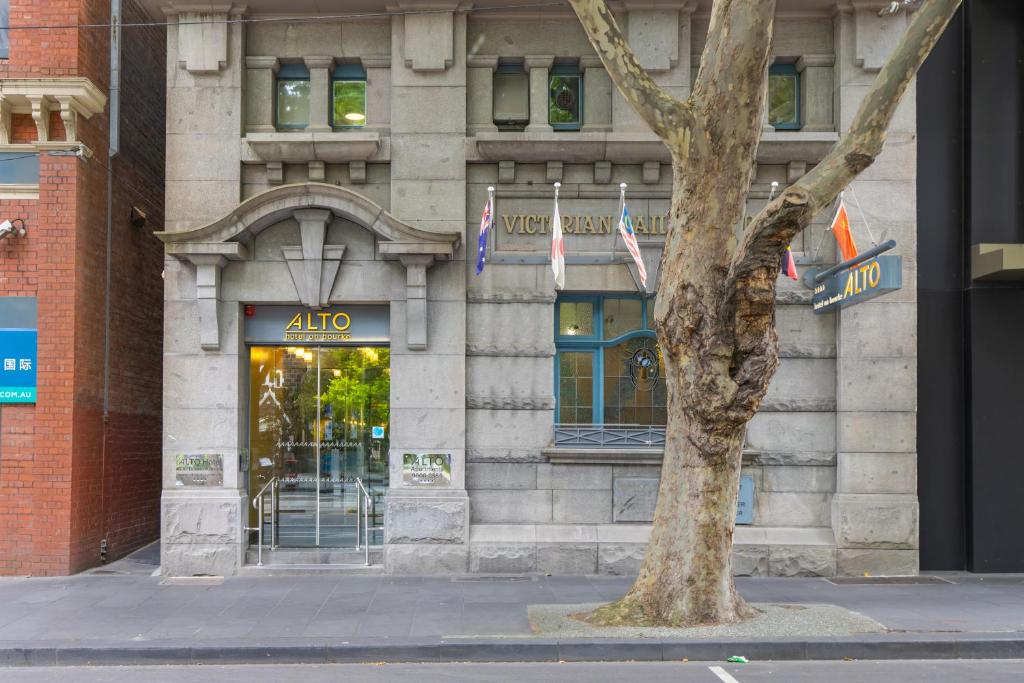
pixel 427 469
pixel 18 350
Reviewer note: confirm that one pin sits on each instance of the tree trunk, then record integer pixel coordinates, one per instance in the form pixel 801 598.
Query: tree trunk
pixel 686 577
pixel 715 312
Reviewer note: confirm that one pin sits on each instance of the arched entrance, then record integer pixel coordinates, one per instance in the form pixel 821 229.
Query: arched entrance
pixel 294 295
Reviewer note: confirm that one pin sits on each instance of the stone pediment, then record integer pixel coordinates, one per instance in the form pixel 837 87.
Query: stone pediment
pixel 313 264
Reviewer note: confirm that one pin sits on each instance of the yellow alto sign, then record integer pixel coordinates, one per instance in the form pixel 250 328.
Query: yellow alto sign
pixel 860 283
pixel 322 326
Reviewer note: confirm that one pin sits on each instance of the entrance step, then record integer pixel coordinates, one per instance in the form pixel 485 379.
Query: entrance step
pixel 314 561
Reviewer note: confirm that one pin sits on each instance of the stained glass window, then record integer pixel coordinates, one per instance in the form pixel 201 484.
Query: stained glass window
pixel 608 339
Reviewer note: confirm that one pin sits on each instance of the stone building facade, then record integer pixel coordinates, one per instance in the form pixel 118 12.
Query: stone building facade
pixel 520 433
pixel 79 462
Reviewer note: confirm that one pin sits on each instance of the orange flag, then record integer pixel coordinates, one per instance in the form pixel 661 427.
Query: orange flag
pixel 841 231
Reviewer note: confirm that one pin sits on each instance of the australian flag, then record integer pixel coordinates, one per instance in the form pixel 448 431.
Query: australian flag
pixel 485 226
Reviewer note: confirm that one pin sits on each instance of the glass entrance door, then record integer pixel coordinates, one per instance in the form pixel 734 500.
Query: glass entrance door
pixel 318 422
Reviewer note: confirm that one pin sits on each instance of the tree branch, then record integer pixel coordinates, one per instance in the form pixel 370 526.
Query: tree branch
pixel 778 223
pixel 671 119
pixel 732 68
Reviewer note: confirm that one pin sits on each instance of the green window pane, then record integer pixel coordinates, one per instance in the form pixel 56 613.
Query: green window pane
pixel 783 92
pixel 634 383
pixel 349 103
pixel 622 316
pixel 650 314
pixel 575 318
pixel 575 387
pixel 292 103
pixel 564 100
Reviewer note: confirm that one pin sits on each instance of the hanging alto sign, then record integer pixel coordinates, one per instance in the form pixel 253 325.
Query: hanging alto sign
pixel 860 279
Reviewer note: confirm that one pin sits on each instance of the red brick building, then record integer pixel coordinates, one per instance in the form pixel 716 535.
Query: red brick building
pixel 80 467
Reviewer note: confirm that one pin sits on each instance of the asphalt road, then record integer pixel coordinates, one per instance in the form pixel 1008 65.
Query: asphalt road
pixel 932 671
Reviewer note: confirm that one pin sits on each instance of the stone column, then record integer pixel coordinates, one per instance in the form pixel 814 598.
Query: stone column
pixel 816 77
pixel 378 92
pixel 319 93
pixel 539 66
pixel 875 508
pixel 427 528
pixel 201 527
pixel 597 96
pixel 480 87
pixel 204 104
pixel 259 93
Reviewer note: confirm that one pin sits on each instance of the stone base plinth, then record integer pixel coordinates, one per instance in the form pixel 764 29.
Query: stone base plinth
pixel 201 532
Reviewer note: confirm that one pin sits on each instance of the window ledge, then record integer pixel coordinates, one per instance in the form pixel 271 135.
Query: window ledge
pixel 629 148
pixel 617 456
pixel 302 147
pixel 19 191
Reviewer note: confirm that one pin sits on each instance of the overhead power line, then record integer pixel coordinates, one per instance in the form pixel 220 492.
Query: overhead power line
pixel 287 19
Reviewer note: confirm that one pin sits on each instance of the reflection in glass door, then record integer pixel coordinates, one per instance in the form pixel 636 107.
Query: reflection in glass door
pixel 318 421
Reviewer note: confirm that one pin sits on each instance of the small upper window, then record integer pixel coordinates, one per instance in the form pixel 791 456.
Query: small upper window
pixel 565 95
pixel 784 97
pixel 292 96
pixel 348 96
pixel 5 15
pixel 511 95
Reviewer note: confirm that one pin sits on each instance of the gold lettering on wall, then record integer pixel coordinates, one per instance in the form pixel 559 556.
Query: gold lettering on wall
pixel 587 224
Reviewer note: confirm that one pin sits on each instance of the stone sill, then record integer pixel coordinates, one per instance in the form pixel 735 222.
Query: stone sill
pixel 302 147
pixel 630 148
pixel 19 191
pixel 595 455
pixel 638 533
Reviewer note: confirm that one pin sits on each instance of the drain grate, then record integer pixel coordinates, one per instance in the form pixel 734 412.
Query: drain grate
pixel 886 580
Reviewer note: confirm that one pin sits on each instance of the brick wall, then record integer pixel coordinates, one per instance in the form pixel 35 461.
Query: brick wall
pixel 71 476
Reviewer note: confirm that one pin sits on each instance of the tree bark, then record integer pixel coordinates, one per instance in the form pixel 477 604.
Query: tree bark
pixel 715 311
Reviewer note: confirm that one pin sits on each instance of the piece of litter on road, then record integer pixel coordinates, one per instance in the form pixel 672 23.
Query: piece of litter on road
pixel 737 659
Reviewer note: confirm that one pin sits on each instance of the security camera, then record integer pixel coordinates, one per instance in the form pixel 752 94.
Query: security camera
pixel 8 228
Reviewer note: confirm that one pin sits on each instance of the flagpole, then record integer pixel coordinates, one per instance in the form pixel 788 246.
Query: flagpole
pixel 490 227
pixel 615 225
pixel 561 239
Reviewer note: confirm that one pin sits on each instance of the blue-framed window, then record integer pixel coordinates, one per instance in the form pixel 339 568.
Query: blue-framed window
pixel 291 95
pixel 565 95
pixel 784 97
pixel 348 96
pixel 5 16
pixel 608 367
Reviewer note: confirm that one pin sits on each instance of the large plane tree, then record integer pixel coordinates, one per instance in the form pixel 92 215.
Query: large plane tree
pixel 715 311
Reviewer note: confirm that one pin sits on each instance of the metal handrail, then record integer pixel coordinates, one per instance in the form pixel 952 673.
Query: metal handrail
pixel 367 501
pixel 257 503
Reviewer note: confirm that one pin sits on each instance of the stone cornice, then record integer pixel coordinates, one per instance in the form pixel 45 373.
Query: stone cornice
pixel 85 97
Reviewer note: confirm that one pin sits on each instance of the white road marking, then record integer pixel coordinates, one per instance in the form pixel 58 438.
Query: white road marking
pixel 722 674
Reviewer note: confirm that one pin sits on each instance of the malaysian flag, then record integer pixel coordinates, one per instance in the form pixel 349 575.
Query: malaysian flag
pixel 486 220
pixel 629 237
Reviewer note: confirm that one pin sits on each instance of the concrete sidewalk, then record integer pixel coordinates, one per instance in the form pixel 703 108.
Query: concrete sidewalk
pixel 134 617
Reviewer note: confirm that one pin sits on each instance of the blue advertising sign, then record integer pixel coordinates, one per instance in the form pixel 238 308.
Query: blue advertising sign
pixel 874 277
pixel 18 350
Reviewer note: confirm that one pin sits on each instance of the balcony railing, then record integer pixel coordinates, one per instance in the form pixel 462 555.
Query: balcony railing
pixel 609 436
